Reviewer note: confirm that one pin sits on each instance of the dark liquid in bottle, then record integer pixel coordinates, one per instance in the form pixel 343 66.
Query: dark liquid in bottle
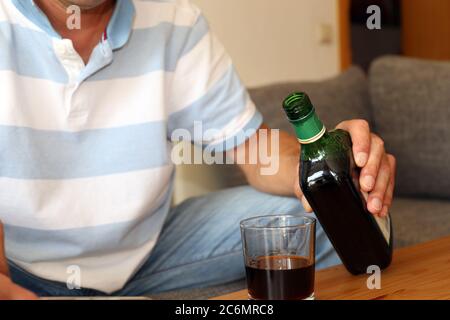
pixel 280 278
pixel 332 189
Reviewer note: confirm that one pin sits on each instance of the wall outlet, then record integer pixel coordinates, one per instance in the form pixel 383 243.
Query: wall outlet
pixel 324 34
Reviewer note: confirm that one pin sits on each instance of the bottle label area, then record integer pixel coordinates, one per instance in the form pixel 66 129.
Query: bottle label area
pixel 385 226
pixel 383 223
pixel 313 138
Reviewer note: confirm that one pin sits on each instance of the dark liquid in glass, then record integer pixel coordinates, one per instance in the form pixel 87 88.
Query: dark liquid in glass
pixel 280 278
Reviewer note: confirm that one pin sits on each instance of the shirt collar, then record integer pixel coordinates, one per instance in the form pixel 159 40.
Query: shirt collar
pixel 32 12
pixel 118 30
pixel 120 26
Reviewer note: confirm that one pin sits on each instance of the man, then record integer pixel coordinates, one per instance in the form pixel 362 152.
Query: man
pixel 87 116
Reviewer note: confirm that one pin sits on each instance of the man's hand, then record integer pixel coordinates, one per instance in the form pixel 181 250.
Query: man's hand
pixel 377 177
pixel 9 290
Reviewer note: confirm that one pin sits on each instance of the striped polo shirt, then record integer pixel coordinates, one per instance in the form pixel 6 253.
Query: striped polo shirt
pixel 85 168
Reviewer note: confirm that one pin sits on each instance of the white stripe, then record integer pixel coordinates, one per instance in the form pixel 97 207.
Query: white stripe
pixel 198 71
pixel 9 13
pixel 78 203
pixel 71 62
pixel 150 14
pixel 234 126
pixel 107 273
pixel 45 105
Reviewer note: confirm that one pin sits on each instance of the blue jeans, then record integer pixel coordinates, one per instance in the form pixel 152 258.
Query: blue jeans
pixel 199 246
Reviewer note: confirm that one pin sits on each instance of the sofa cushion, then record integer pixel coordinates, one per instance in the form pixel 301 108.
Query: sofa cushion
pixel 419 220
pixel 411 111
pixel 340 98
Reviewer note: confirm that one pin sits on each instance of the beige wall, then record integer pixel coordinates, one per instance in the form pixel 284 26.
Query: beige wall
pixel 276 40
pixel 269 41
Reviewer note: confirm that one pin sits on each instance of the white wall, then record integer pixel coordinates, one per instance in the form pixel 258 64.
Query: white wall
pixel 276 40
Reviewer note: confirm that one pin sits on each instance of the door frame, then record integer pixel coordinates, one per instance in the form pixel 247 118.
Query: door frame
pixel 345 52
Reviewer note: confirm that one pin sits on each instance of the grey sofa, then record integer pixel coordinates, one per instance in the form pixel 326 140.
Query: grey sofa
pixel 407 102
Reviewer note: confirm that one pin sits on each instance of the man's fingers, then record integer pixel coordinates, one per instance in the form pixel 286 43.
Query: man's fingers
pixel 306 205
pixel 299 193
pixel 370 171
pixel 3 262
pixel 376 197
pixel 389 195
pixel 360 133
pixel 297 190
pixel 301 197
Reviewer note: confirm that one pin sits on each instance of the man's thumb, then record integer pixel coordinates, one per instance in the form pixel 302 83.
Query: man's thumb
pixel 3 262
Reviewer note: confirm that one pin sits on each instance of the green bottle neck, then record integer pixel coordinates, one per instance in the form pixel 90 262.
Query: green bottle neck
pixel 309 129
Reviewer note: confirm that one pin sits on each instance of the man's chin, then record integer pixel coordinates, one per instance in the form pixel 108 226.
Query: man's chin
pixel 83 4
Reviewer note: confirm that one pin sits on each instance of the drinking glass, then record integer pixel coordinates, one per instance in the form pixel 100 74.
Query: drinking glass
pixel 279 255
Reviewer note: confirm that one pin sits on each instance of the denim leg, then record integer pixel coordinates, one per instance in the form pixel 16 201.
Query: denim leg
pixel 200 244
pixel 46 288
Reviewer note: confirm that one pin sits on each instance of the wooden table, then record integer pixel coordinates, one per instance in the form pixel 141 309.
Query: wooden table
pixel 418 272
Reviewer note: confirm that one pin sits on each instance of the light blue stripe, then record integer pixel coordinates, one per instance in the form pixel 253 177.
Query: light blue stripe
pixel 34 13
pixel 29 53
pixel 34 154
pixel 34 245
pixel 101 57
pixel 153 49
pixel 119 28
pixel 218 107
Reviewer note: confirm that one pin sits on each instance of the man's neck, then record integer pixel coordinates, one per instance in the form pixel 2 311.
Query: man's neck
pixel 93 23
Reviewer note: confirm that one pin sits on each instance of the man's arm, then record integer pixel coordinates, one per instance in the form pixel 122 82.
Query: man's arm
pixel 377 174
pixel 280 183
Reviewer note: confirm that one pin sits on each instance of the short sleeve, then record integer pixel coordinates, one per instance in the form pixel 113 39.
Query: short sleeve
pixel 208 102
